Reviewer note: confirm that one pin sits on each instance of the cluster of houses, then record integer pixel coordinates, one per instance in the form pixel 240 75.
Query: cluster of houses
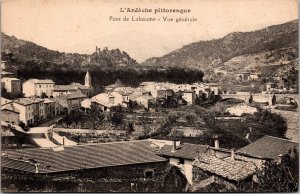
pixel 42 100
pixel 201 165
pixel 149 93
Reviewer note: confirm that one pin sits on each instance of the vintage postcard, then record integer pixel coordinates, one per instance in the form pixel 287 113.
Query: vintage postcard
pixel 149 96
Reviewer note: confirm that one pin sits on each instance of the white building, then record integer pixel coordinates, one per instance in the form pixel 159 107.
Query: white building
pixel 26 108
pixel 36 87
pixel 145 100
pixel 189 96
pixel 181 155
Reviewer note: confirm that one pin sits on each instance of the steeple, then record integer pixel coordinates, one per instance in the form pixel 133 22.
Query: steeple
pixel 88 80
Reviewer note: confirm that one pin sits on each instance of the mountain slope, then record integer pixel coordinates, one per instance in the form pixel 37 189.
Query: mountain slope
pixel 25 51
pixel 208 54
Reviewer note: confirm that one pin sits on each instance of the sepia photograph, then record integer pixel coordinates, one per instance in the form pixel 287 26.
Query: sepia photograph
pixel 149 96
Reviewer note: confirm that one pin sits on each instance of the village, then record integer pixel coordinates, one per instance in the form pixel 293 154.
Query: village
pixel 171 137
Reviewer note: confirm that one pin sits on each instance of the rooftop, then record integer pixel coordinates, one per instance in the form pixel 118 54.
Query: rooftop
pixel 9 78
pixel 75 95
pixel 6 73
pixel 41 81
pixel 24 101
pixel 71 87
pixel 185 150
pixel 236 170
pixel 269 147
pixel 80 157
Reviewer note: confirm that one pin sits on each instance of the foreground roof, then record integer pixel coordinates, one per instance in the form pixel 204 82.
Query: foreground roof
pixel 236 170
pixel 80 157
pixel 269 147
pixel 185 150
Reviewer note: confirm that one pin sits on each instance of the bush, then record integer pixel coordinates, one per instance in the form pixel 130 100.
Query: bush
pixel 266 123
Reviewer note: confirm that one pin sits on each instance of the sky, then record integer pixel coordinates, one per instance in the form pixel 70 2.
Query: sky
pixel 81 25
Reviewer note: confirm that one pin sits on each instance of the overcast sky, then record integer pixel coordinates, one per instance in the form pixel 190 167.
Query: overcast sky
pixel 81 25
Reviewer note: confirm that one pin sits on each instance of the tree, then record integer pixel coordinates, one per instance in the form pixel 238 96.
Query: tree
pixel 264 122
pixel 117 118
pixel 22 125
pixel 75 116
pixel 97 116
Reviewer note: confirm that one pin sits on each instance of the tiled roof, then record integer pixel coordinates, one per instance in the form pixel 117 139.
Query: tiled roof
pixel 24 101
pixel 62 101
pixel 236 170
pixel 81 157
pixel 10 79
pixel 41 81
pixel 10 109
pixel 268 147
pixel 72 87
pixel 185 150
pixel 6 73
pixel 76 95
pixel 145 97
pixel 5 101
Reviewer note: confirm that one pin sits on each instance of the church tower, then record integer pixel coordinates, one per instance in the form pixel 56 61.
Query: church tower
pixel 88 80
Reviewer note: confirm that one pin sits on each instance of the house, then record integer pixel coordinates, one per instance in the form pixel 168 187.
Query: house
pixel 86 104
pixel 270 86
pixel 253 76
pixel 269 148
pixel 3 65
pixel 36 87
pixel 182 155
pixel 49 108
pixel 242 76
pixel 68 89
pixel 39 110
pixel 10 115
pixel 227 170
pixel 74 100
pixel 165 93
pixel 214 88
pixel 121 98
pixel 189 96
pixel 129 162
pixel 12 85
pixel 145 101
pixel 105 101
pixel 26 107
pixel 5 101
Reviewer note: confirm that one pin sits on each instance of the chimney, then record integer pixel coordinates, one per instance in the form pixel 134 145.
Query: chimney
pixel 279 161
pixel 174 146
pixel 217 145
pixel 63 141
pixel 232 156
pixel 36 168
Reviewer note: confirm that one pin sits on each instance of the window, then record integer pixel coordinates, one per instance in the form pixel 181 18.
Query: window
pixel 149 173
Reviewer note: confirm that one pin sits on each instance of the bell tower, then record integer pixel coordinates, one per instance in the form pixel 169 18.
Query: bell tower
pixel 88 80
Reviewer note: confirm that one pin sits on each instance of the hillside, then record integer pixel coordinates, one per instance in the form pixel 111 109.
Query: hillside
pixel 29 60
pixel 25 51
pixel 274 45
